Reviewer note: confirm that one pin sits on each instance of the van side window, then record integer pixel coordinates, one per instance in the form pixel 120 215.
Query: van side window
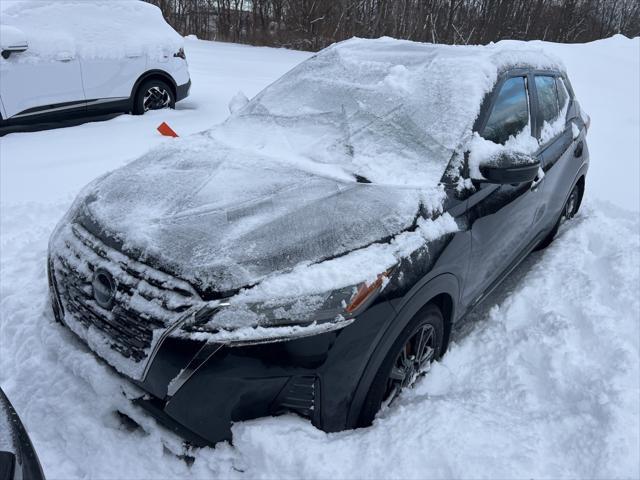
pixel 510 114
pixel 547 98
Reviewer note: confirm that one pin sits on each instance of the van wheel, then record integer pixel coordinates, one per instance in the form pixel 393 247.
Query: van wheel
pixel 410 358
pixel 153 95
pixel 571 207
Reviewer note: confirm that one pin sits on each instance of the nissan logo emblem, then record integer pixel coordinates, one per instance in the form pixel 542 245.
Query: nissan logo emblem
pixel 104 288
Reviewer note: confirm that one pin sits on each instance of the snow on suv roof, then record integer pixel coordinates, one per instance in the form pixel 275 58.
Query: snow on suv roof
pixel 90 28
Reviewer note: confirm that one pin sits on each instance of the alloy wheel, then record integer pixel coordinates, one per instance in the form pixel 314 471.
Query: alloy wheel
pixel 571 206
pixel 413 361
pixel 156 98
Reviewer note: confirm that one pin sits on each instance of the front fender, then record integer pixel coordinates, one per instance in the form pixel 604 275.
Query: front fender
pixel 407 308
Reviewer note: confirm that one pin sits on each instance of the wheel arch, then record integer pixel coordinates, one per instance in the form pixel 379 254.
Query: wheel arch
pixel 579 180
pixel 581 185
pixel 444 301
pixel 442 291
pixel 151 75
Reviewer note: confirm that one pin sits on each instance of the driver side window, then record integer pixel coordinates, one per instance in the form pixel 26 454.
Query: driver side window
pixel 510 113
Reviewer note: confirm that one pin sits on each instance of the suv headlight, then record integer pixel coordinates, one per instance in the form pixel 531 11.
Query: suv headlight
pixel 180 54
pixel 241 322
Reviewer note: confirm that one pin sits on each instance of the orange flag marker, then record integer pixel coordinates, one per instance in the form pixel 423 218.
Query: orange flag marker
pixel 166 130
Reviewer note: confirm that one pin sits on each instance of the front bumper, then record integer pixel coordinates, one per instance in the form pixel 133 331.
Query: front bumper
pixel 182 91
pixel 235 384
pixel 315 377
pixel 199 389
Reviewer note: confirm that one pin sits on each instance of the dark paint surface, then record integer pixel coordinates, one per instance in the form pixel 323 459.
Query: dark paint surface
pixel 23 463
pixel 326 377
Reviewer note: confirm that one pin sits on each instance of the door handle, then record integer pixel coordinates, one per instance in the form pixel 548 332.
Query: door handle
pixel 64 57
pixel 538 180
pixel 535 184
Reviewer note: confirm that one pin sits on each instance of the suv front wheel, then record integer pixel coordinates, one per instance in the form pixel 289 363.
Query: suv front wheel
pixel 410 357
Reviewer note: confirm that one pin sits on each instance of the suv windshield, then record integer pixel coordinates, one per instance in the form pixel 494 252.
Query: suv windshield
pixel 394 114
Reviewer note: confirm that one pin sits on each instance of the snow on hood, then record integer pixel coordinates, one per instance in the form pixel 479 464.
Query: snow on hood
pixel 89 28
pixel 223 218
pixel 275 186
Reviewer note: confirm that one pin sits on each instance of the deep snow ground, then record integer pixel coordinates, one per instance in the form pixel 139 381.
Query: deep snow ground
pixel 545 382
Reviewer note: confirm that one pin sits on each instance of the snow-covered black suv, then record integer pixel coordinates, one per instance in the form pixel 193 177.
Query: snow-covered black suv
pixel 312 253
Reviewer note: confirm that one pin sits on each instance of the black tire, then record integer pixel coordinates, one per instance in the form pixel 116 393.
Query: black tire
pixel 381 388
pixel 153 94
pixel 571 207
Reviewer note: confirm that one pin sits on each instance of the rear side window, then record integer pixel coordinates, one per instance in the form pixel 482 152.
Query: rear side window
pixel 510 114
pixel 547 98
pixel 563 94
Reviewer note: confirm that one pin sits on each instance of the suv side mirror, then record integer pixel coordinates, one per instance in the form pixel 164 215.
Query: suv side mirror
pixel 510 167
pixel 12 40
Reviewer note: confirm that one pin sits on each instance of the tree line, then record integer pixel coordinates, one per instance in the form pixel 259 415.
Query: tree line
pixel 314 24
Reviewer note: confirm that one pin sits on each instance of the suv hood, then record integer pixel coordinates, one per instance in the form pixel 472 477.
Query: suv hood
pixel 222 218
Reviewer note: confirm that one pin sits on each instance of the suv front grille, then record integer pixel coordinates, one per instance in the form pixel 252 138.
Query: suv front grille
pixel 146 300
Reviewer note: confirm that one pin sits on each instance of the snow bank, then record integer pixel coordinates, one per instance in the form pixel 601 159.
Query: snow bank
pixel 89 28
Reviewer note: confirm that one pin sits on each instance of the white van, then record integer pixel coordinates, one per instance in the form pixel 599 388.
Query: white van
pixel 63 58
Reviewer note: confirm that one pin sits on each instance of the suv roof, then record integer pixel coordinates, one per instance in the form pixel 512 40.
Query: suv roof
pixel 502 55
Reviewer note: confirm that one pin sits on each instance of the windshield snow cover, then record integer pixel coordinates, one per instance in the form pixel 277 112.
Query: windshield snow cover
pixel 275 186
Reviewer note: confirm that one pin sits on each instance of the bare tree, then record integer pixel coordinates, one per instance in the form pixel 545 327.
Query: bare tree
pixel 314 24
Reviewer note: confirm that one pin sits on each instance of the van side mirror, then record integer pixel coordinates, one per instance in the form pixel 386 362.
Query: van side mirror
pixel 12 40
pixel 509 168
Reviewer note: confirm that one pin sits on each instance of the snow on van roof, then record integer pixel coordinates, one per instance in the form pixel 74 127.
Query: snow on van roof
pixel 89 28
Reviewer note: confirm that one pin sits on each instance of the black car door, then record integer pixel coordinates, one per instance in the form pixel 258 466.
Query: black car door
pixel 561 153
pixel 501 216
